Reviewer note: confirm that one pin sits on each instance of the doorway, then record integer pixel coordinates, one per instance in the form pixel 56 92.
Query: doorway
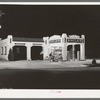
pixel 19 52
pixel 36 53
pixel 77 52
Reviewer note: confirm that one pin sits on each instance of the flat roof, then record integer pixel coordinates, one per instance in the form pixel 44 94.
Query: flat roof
pixel 25 39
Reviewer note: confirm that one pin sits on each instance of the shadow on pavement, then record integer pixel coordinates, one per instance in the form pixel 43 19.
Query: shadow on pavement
pixel 49 79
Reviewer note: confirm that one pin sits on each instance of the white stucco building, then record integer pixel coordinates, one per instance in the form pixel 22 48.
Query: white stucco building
pixel 22 47
pixel 30 48
pixel 65 44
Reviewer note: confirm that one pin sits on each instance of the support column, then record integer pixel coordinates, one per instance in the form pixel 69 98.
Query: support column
pixel 29 53
pixel 82 52
pixel 82 49
pixel 45 47
pixel 64 46
pixel 64 52
pixel 73 49
pixel 78 55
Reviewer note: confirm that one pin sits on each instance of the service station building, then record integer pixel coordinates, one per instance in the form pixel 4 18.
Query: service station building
pixel 71 47
pixel 22 48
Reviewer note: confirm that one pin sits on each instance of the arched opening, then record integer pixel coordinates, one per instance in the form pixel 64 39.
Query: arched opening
pixel 19 52
pixel 77 52
pixel 36 53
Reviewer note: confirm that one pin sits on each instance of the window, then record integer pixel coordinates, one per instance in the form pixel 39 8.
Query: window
pixel 45 41
pixel 10 40
pixel 65 40
pixel 2 51
pixel 5 50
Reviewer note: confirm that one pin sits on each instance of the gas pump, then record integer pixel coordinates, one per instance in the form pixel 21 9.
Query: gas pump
pixel 56 55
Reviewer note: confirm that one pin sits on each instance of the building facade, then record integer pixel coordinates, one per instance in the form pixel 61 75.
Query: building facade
pixel 71 47
pixel 22 48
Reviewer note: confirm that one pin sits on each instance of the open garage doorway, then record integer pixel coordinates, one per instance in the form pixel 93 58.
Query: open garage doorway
pixel 36 53
pixel 77 52
pixel 19 52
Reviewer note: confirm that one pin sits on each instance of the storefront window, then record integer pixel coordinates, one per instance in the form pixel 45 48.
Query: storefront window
pixel 2 51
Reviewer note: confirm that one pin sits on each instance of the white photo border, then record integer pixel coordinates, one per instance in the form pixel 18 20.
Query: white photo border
pixel 49 93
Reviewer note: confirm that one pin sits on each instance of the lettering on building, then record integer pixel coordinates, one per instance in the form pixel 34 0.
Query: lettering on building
pixel 36 44
pixel 75 40
pixel 55 41
pixel 22 44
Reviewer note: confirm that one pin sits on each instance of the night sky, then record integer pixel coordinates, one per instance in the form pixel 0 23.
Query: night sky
pixel 39 21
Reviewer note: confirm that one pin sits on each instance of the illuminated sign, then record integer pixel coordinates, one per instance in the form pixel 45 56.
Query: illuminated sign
pixel 75 40
pixel 55 41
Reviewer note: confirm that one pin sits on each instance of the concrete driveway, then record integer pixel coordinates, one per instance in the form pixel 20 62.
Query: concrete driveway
pixel 39 64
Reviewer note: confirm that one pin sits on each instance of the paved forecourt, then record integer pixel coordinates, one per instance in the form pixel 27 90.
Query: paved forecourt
pixel 39 64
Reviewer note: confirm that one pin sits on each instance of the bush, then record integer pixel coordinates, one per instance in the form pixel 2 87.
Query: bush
pixel 11 55
pixel 93 61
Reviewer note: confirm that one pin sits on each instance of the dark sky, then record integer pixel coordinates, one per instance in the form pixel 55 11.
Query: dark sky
pixel 38 21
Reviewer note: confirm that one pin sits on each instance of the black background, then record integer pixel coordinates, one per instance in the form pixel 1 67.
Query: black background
pixel 38 21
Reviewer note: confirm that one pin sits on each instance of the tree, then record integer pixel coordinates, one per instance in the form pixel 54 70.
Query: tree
pixel 94 61
pixel 11 55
